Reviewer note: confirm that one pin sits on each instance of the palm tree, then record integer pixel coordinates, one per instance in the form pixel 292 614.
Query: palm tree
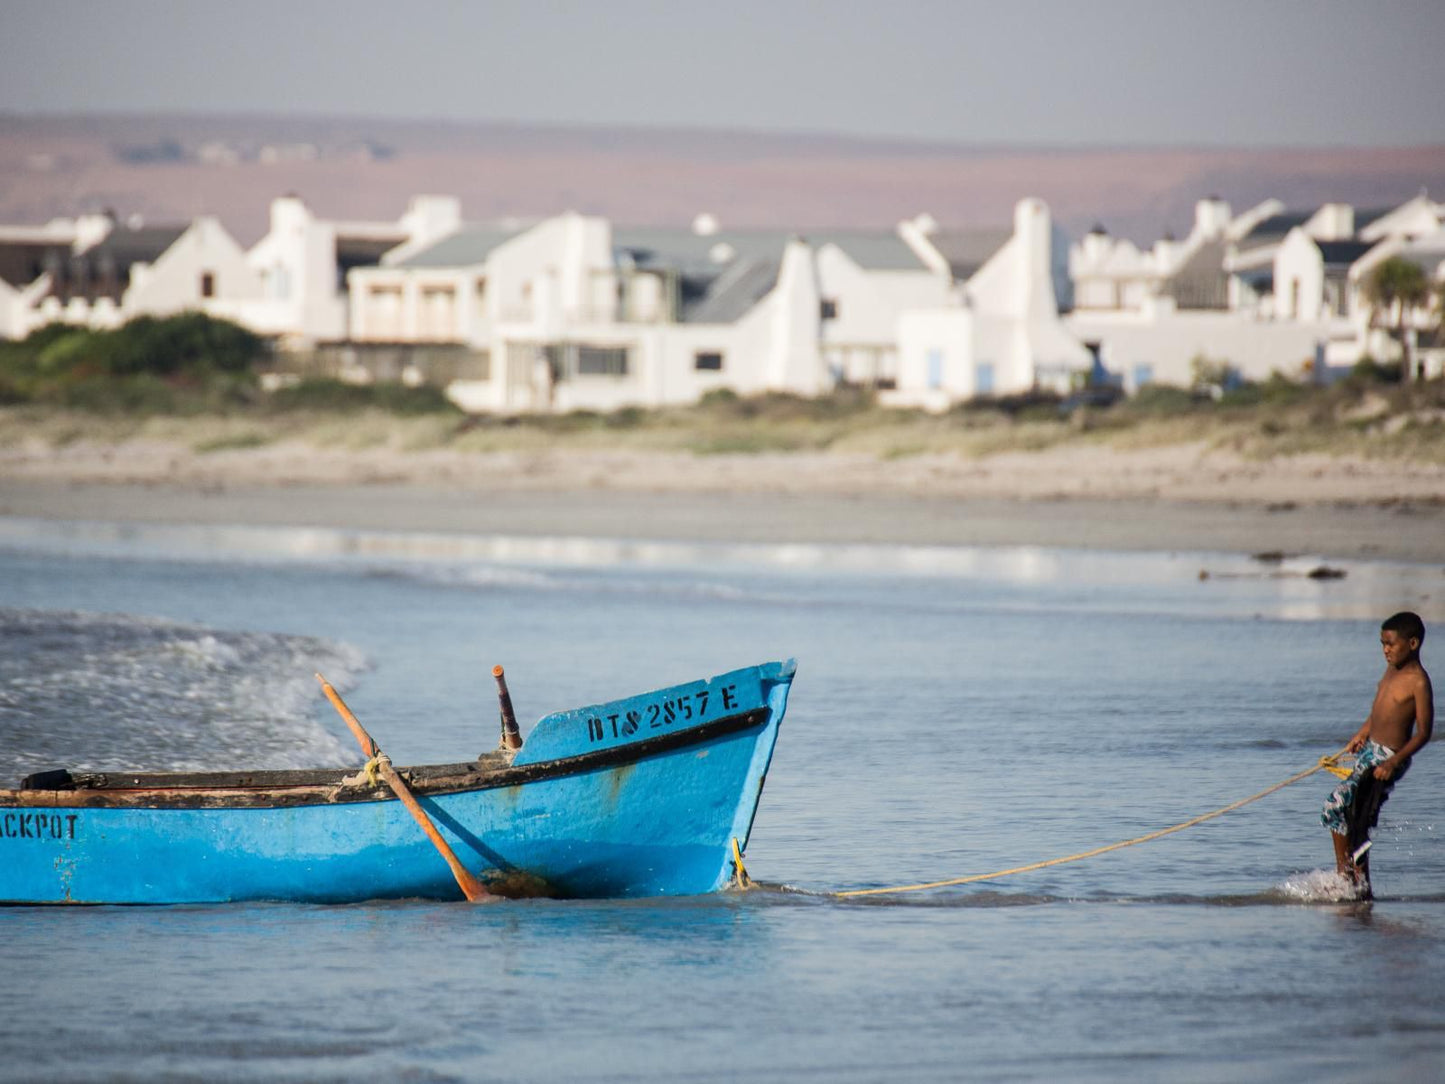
pixel 1395 289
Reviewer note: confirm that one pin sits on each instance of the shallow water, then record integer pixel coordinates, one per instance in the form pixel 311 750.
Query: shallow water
pixel 956 712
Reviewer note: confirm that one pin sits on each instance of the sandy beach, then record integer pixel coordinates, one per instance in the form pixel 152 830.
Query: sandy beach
pixel 1180 497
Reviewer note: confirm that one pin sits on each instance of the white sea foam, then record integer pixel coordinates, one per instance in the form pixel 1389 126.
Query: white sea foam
pixel 1320 886
pixel 111 692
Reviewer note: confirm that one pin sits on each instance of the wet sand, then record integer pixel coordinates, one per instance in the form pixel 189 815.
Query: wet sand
pixel 1399 530
pixel 1180 497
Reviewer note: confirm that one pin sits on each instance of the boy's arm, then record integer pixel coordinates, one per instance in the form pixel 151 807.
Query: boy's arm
pixel 1424 725
pixel 1356 743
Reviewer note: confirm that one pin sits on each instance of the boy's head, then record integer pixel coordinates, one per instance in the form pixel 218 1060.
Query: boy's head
pixel 1407 624
pixel 1400 637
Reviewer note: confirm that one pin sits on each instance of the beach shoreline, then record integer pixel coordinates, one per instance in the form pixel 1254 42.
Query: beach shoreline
pixel 1172 499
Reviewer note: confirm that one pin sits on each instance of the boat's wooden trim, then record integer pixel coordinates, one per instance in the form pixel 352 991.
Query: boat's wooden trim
pixel 265 789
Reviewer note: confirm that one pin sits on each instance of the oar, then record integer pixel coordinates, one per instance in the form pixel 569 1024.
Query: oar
pixel 470 886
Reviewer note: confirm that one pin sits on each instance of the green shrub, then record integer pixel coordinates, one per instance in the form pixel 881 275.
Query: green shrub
pixel 324 394
pixel 1367 371
pixel 1164 399
pixel 177 364
pixel 189 342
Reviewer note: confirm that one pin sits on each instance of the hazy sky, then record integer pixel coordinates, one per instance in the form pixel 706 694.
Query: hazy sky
pixel 1254 72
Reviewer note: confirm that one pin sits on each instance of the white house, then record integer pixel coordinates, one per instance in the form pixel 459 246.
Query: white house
pixel 75 271
pixel 98 272
pixel 572 313
pixel 1001 332
pixel 1267 291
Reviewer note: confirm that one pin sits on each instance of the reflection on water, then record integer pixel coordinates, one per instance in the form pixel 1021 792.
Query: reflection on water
pixel 1213 583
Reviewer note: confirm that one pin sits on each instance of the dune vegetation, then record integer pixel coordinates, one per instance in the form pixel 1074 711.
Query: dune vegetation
pixel 194 382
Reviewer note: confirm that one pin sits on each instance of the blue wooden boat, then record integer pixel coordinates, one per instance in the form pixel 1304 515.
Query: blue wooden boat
pixel 638 797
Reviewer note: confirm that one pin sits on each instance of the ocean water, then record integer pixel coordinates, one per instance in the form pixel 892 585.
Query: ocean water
pixel 955 712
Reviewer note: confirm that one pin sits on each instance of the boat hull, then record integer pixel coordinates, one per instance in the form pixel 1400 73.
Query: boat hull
pixel 651 812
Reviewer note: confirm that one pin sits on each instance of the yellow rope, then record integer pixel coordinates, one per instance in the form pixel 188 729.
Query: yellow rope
pixel 740 873
pixel 1326 763
pixel 373 768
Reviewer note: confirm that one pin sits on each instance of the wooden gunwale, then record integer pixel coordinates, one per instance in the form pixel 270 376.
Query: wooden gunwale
pixel 286 787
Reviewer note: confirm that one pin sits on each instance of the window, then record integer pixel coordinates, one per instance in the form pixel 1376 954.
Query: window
pixel 1143 374
pixel 935 369
pixel 983 378
pixel 828 308
pixel 601 361
pixel 208 284
pixel 708 361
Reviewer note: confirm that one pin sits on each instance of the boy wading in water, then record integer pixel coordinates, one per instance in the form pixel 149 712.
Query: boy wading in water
pixel 1399 724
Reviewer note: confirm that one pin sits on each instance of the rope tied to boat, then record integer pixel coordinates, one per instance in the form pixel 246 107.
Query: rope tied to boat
pixel 1324 764
pixel 373 768
pixel 740 873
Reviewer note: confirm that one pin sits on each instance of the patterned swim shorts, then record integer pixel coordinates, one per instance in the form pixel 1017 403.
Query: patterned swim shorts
pixel 1335 815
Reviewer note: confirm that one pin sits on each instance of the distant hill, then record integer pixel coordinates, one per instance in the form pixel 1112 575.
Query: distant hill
pixel 174 167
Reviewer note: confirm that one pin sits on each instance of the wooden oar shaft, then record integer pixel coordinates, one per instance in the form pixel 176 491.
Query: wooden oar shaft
pixel 472 888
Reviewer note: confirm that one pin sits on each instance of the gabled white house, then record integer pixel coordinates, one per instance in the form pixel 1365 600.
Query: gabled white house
pixel 98 272
pixel 1114 275
pixel 28 256
pixel 1422 322
pixel 76 271
pixel 1001 332
pixel 1267 291
pixel 572 313
pixel 202 269
pixel 303 263
pixel 867 281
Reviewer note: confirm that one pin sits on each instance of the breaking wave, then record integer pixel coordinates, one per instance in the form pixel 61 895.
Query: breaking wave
pixel 114 692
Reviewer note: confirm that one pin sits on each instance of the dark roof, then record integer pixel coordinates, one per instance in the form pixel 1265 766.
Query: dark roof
pixel 1365 217
pixel 873 251
pixel 467 247
pixel 968 250
pixel 22 262
pixel 362 251
pixel 1342 253
pixel 659 248
pixel 103 270
pixel 141 245
pixel 729 296
pixel 1201 283
pixel 1271 230
pixel 678 249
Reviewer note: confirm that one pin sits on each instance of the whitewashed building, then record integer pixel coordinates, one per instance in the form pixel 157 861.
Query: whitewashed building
pixel 572 313
pixel 98 272
pixel 1267 291
pixel 1000 332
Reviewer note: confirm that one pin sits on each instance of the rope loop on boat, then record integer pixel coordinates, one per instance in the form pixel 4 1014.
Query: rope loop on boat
pixel 1326 763
pixel 740 872
pixel 373 768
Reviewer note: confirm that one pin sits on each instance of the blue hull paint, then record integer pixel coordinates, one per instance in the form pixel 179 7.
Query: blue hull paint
pixel 638 797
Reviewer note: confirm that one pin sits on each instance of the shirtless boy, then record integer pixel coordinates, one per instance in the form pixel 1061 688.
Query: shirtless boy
pixel 1399 724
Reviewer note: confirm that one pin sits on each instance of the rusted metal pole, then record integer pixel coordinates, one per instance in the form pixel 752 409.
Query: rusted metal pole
pixel 472 888
pixel 511 735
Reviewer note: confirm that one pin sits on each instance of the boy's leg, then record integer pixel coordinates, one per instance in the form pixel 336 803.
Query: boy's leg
pixel 1344 864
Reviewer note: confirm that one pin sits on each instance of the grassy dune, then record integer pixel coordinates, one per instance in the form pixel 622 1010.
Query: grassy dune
pixel 1364 419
